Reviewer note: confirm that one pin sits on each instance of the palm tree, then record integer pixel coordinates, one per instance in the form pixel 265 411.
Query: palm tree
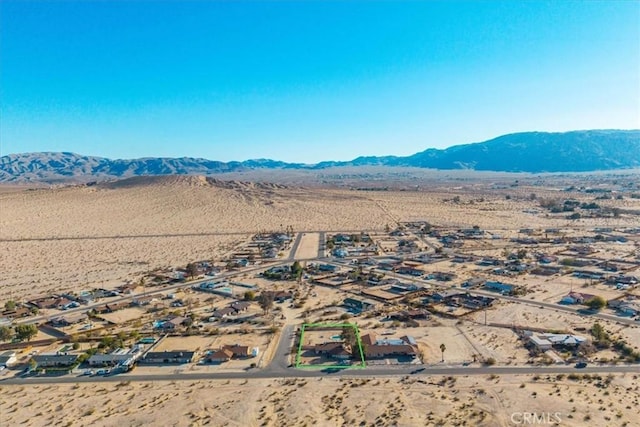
pixel 442 349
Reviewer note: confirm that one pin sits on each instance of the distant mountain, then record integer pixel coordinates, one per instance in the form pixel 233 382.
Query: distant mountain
pixel 578 151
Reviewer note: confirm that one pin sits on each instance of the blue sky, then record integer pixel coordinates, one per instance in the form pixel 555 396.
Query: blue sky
pixel 309 81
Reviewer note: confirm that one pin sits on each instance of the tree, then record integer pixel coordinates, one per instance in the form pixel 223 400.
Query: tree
pixel 192 270
pixel 266 301
pixel 442 349
pixel 10 305
pixel 26 332
pixel 296 270
pixel 596 303
pixel 522 253
pixel 348 335
pixel 5 333
pixel 598 332
pixel 249 296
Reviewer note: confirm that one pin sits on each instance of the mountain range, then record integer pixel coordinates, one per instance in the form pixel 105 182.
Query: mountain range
pixel 533 152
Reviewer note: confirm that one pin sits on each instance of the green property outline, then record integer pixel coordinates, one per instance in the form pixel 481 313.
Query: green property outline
pixel 330 325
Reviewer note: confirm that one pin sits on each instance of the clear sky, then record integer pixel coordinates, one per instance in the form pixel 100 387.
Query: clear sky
pixel 309 80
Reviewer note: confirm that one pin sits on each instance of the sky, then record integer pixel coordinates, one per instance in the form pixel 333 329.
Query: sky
pixel 308 81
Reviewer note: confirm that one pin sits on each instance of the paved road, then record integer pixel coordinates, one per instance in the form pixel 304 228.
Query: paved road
pixel 372 372
pixel 294 247
pixel 322 241
pixel 280 361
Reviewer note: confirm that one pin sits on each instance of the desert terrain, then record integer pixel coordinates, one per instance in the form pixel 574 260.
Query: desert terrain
pixel 433 401
pixel 73 238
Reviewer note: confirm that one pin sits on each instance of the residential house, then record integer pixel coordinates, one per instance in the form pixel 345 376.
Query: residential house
pixel 540 343
pixel 405 315
pixel 546 270
pixel 473 282
pixel 218 356
pixel 564 339
pixel 630 308
pixel 546 341
pixel 221 313
pixel 488 262
pixel 547 259
pixel 127 288
pixel 282 296
pixel 409 271
pixel 68 320
pixel 382 348
pixel 145 300
pixel 586 274
pixel 55 360
pixel 441 296
pixel 403 288
pixel 342 238
pixel 335 350
pixel 109 359
pixel 238 350
pixel 390 350
pixel 174 323
pixel 625 307
pixel 358 305
pixel 168 357
pixel 16 313
pixel 622 280
pixel 499 286
pixel 327 267
pixel 227 353
pixel 51 302
pixel 240 306
pixel 112 307
pixel 388 264
pixel 368 339
pixel 441 276
pixel 340 252
pixel 576 298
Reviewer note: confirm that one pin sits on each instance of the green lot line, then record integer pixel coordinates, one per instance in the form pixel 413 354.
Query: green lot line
pixel 337 326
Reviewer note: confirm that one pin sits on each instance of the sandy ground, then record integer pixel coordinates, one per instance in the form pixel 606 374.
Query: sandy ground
pixel 308 248
pixel 418 401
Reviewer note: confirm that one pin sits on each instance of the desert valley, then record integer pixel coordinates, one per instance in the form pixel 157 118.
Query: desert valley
pixel 422 298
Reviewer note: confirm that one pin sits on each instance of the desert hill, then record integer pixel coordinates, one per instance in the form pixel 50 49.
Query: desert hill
pixel 187 181
pixel 535 152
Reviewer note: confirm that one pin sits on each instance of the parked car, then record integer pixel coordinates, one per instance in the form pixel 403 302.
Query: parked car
pixel 581 365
